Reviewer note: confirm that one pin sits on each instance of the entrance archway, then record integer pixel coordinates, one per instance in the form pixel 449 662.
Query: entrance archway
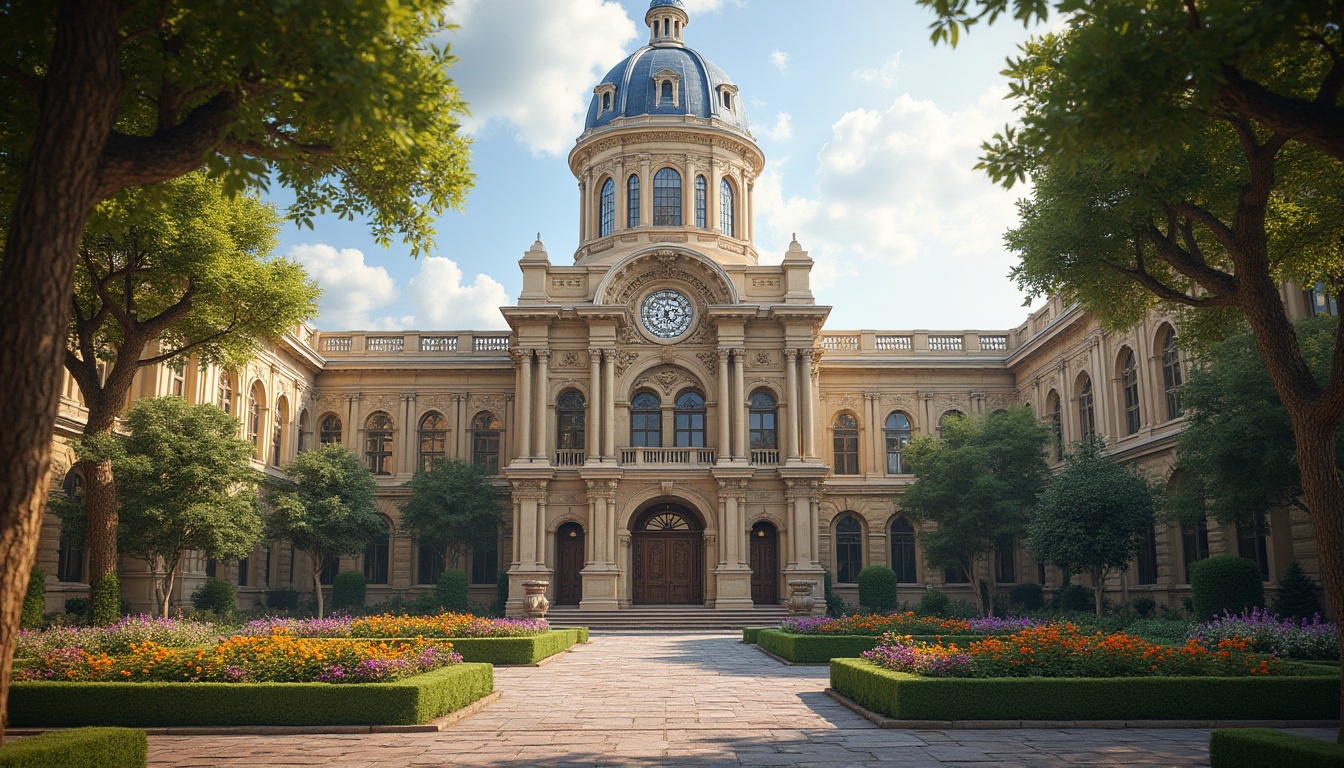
pixel 668 553
pixel 568 564
pixel 764 559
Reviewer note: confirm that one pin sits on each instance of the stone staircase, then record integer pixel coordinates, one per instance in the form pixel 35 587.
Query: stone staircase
pixel 667 618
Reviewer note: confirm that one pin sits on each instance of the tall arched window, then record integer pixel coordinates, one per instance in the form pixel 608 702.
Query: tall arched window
pixel 255 397
pixel 569 410
pixel 1147 557
pixel 485 431
pixel 377 556
pixel 763 418
pixel 947 417
pixel 646 421
pixel 433 441
pixel 1054 413
pixel 1129 382
pixel 1087 412
pixel 701 202
pixel 278 431
pixel 378 444
pixel 607 205
pixel 666 96
pixel 303 430
pixel 689 420
pixel 898 436
pixel 224 398
pixel 903 551
pixel 632 202
pixel 70 556
pixel 846 435
pixel 667 198
pixel 848 549
pixel 726 208
pixel 329 432
pixel 1171 374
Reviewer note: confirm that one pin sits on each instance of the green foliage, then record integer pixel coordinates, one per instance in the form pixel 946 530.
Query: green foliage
pixel 451 590
pixel 78 748
pixel 1026 597
pixel 1073 597
pixel 877 588
pixel 1269 748
pixel 909 697
pixel 413 700
pixel 1296 597
pixel 835 604
pixel 516 650
pixel 105 601
pixel 282 599
pixel 347 590
pixel 501 593
pixel 215 595
pixel 1225 583
pixel 34 601
pixel 1143 606
pixel 934 603
pixel 452 507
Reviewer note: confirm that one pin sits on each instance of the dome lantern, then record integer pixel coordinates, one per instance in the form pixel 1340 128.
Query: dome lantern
pixel 667 20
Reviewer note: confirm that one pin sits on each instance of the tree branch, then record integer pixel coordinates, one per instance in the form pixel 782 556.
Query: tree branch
pixel 139 160
pixel 1163 291
pixel 1214 281
pixel 1318 123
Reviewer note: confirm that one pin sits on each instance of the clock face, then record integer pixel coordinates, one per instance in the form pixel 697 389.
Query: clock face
pixel 667 314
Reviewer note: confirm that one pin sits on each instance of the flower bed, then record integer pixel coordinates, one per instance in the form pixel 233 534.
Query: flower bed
pixel 452 625
pixel 1306 639
pixel 819 649
pixel 118 638
pixel 906 623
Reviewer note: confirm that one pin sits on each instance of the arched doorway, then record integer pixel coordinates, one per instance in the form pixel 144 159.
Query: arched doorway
pixel 668 544
pixel 764 559
pixel 568 564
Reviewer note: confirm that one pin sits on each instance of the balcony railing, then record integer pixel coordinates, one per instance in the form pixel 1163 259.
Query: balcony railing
pixel 353 344
pixel 859 344
pixel 765 457
pixel 569 457
pixel 667 457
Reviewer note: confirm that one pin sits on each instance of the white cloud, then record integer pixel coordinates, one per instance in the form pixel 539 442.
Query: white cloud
pixel 532 63
pixel 782 130
pixel 780 60
pixel 351 289
pixel 441 300
pixel 885 74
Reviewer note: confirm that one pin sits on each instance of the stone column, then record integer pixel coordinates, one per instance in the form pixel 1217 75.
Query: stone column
pixel 409 440
pixel 541 405
pixel 739 395
pixel 609 404
pixel 791 394
pixel 352 425
pixel 876 455
pixel 725 412
pixel 688 195
pixel 524 425
pixel 807 396
pixel 583 209
pixel 596 398
pixel 645 192
pixel 597 523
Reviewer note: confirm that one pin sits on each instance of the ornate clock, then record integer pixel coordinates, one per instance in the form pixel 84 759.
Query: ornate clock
pixel 667 314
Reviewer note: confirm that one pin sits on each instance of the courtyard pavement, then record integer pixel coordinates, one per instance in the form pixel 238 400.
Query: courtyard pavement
pixel 682 700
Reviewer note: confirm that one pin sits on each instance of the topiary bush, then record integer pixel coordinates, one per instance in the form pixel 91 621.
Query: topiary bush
pixel 1225 583
pixel 877 588
pixel 105 601
pixel 934 603
pixel 452 590
pixel 78 748
pixel 1027 597
pixel 1297 597
pixel 215 595
pixel 282 599
pixel 348 590
pixel 1074 597
pixel 34 601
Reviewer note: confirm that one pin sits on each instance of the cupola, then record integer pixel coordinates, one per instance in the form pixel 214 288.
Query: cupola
pixel 667 20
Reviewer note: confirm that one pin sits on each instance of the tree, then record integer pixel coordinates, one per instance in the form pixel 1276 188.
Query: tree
pixel 166 275
pixel 325 508
pixel 348 104
pixel 452 507
pixel 977 483
pixel 1093 516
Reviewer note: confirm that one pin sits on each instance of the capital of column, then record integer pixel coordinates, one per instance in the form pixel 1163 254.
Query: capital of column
pixel 808 353
pixel 595 353
pixel 738 353
pixel 790 354
pixel 602 489
pixel 543 354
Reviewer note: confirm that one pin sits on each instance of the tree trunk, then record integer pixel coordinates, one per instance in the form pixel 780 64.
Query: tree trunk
pixel 100 511
pixel 318 567
pixel 76 109
pixel 1098 581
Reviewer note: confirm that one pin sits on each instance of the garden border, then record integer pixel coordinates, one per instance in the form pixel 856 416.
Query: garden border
pixel 1260 747
pixel 805 650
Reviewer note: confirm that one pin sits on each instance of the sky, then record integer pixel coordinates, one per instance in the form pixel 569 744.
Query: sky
pixel 870 133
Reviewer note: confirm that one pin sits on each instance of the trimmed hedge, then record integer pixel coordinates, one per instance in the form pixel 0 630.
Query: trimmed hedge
pixel 819 649
pixel 877 588
pixel 518 650
pixel 78 748
pixel 1225 583
pixel 750 634
pixel 910 697
pixel 1268 748
pixel 417 699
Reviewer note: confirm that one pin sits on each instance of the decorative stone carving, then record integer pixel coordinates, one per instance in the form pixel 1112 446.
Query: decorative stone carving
pixel 535 603
pixel 569 360
pixel 624 360
pixel 800 600
pixel 709 360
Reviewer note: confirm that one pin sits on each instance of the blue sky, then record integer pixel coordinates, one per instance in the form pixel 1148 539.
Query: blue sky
pixel 869 131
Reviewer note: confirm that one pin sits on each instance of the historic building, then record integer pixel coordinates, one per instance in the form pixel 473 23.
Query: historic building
pixel 667 416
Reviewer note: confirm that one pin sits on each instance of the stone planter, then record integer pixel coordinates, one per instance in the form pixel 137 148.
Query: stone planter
pixel 801 602
pixel 535 603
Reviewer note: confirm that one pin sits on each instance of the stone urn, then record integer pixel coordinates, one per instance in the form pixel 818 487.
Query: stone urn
pixel 535 603
pixel 801 602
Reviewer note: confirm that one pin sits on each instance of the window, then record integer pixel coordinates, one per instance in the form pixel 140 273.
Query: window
pixel 726 208
pixel 606 102
pixel 569 422
pixel 178 386
pixel 1252 545
pixel 646 421
pixel 211 567
pixel 632 202
pixel 328 574
pixel 1055 415
pixel 429 565
pixel 254 420
pixel 667 198
pixel 1129 382
pixel 1171 374
pixel 1194 544
pixel 898 436
pixel 763 419
pixel 848 549
pixel 433 441
pixel 689 420
pixel 946 417
pixel 225 394
pixel 956 575
pixel 903 551
pixel 303 431
pixel 1320 302
pixel 244 565
pixel 1005 560
pixel 607 204
pixel 485 431
pixel 701 202
pixel 70 556
pixel 277 441
pixel 378 444
pixel 485 565
pixel 376 560
pixel 329 432
pixel 728 101
pixel 667 95
pixel 1087 414
pixel 1147 558
pixel 846 437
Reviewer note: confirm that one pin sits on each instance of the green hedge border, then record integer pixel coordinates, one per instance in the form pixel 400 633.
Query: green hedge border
pixel 819 649
pixel 415 700
pixel 1268 748
pixel 78 748
pixel 910 697
pixel 504 651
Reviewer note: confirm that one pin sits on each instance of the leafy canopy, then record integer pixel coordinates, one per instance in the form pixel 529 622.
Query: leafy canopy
pixel 453 506
pixel 326 506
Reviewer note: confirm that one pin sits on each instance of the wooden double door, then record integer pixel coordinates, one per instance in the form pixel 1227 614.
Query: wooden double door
pixel 764 558
pixel 668 567
pixel 569 564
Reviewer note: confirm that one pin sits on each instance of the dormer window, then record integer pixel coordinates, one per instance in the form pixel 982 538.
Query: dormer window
pixel 727 95
pixel 606 98
pixel 606 101
pixel 668 93
pixel 667 84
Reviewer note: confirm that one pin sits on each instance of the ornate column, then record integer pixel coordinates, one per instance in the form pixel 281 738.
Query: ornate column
pixel 807 395
pixel 733 576
pixel 875 424
pixel 791 394
pixel 602 577
pixel 352 425
pixel 739 395
pixel 409 442
pixel 597 522
pixel 609 404
pixel 725 409
pixel 541 404
pixel 524 425
pixel 596 399
pixel 645 192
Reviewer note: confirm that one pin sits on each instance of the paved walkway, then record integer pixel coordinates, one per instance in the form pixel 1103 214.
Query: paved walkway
pixel 699 700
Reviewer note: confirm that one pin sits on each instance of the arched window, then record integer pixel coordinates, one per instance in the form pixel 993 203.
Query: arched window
pixel 1129 382
pixel 303 430
pixel 569 410
pixel 1005 560
pixel 1147 557
pixel 726 208
pixel 1054 413
pixel 646 421
pixel 667 198
pixel 632 202
pixel 848 549
pixel 846 435
pixel 947 417
pixel 1171 374
pixel 689 420
pixel 1087 413
pixel 898 436
pixel 376 556
pixel 763 418
pixel 70 556
pixel 278 431
pixel 666 96
pixel 433 441
pixel 1194 545
pixel 428 564
pixel 255 397
pixel 485 431
pixel 378 444
pixel 903 551
pixel 485 564
pixel 607 204
pixel 1253 545
pixel 329 432
pixel 701 202
pixel 606 101
pixel 224 397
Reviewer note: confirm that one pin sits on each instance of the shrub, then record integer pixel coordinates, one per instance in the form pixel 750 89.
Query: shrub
pixel 1027 597
pixel 348 590
pixel 877 588
pixel 1297 597
pixel 1074 597
pixel 501 593
pixel 835 604
pixel 215 595
pixel 1143 606
pixel 1174 632
pixel 452 590
pixel 282 599
pixel 934 603
pixel 77 606
pixel 1225 584
pixel 78 748
pixel 1268 748
pixel 105 603
pixel 34 601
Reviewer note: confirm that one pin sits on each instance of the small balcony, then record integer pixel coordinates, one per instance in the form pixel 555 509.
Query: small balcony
pixel 765 457
pixel 667 458
pixel 569 457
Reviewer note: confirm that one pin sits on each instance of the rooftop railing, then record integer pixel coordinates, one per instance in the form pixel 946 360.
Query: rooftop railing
pixel 862 343
pixel 436 343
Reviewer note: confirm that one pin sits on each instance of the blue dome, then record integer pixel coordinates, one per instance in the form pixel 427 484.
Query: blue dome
pixel 699 94
pixel 665 3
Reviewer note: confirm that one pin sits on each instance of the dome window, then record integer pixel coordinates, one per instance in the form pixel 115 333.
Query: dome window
pixel 727 95
pixel 606 98
pixel 667 84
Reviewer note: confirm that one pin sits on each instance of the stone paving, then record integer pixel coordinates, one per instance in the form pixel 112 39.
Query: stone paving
pixel 683 700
